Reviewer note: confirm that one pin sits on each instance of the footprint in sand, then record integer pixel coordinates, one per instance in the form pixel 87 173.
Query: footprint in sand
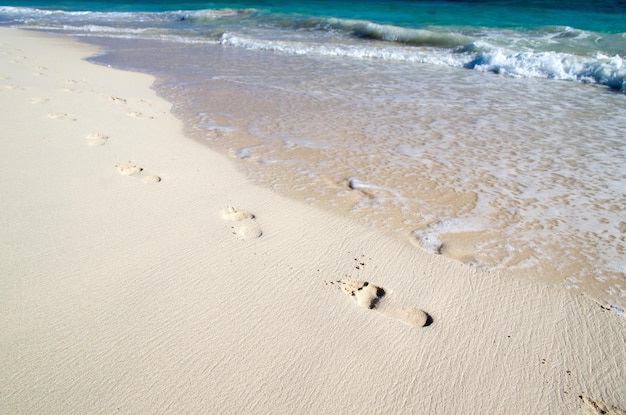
pixel 128 169
pixel 96 139
pixel 60 116
pixel 139 114
pixel 245 226
pixel 118 99
pixel 131 169
pixel 372 297
pixel 39 100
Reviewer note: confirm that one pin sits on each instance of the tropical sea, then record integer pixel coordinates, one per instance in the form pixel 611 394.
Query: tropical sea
pixel 490 132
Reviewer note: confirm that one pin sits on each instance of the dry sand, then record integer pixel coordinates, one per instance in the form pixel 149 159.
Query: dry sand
pixel 140 273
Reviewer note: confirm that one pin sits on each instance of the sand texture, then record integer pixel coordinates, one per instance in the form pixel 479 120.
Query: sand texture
pixel 140 273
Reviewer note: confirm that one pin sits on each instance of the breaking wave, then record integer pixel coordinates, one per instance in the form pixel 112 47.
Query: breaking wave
pixel 553 52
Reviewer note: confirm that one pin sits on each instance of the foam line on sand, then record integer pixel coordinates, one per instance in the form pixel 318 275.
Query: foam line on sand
pixel 122 297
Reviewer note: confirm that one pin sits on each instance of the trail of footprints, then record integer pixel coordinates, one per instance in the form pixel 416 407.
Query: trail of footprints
pixel 245 225
pixel 364 293
pixel 96 139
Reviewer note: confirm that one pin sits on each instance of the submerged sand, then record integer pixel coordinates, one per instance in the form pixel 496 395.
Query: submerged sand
pixel 142 273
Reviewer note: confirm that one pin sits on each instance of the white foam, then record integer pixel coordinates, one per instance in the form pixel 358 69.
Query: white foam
pixel 600 69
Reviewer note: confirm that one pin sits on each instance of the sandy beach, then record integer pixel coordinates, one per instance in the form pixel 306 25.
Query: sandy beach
pixel 142 273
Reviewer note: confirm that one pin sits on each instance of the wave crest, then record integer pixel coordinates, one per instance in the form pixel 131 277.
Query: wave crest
pixel 599 69
pixel 409 36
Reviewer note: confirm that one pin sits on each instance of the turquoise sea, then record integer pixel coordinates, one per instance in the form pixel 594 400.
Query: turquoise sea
pixel 576 40
pixel 491 132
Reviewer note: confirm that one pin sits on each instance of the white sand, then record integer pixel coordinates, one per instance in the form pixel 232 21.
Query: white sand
pixel 124 289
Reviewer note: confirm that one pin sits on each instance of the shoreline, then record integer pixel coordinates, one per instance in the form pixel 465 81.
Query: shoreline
pixel 518 216
pixel 128 287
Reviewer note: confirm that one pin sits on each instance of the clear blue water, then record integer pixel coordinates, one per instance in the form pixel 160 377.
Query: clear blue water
pixel 601 16
pixel 492 132
pixel 576 40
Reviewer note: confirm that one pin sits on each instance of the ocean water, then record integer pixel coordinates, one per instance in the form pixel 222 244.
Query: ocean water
pixel 491 132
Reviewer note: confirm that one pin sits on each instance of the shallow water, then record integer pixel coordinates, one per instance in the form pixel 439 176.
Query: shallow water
pixel 526 175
